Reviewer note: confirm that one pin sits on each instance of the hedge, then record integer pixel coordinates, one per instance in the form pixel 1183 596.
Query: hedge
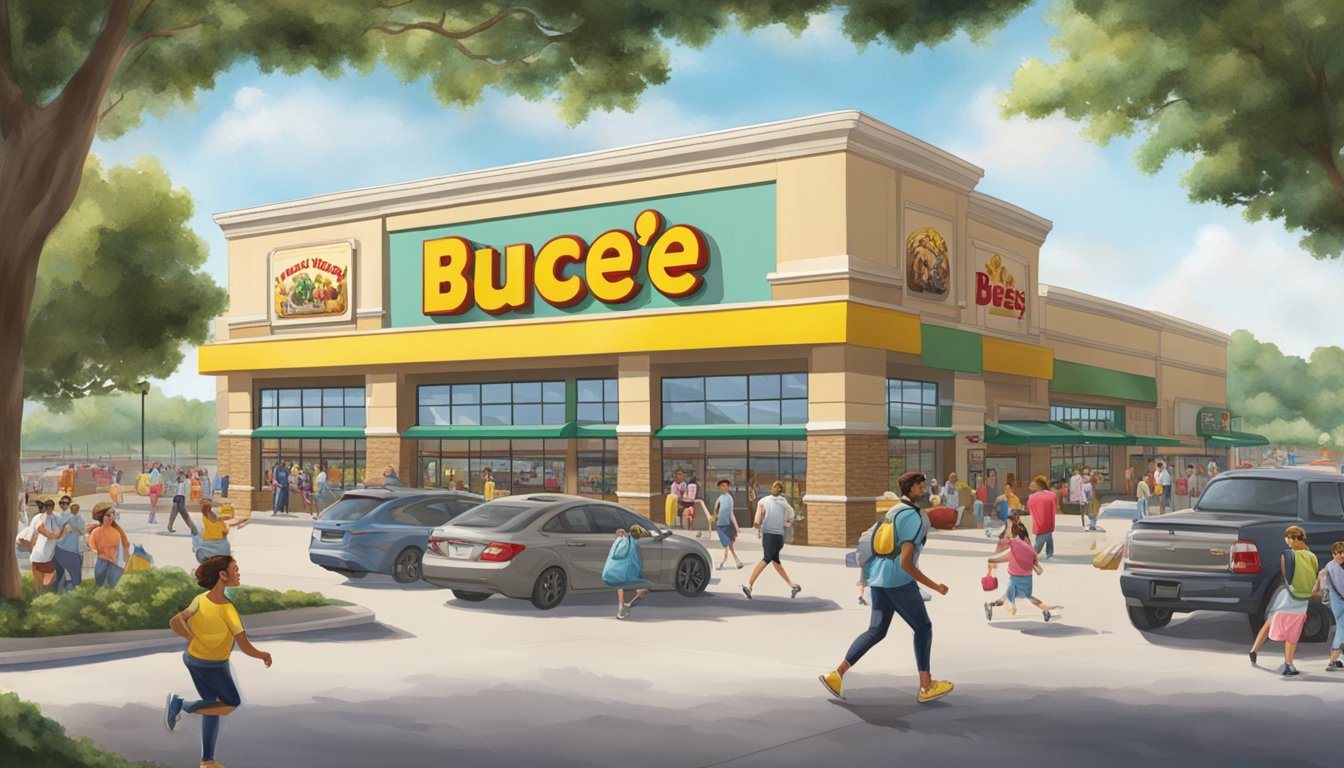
pixel 141 600
pixel 28 738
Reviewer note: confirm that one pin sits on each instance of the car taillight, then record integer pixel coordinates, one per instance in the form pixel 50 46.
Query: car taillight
pixel 434 544
pixel 1245 557
pixel 499 552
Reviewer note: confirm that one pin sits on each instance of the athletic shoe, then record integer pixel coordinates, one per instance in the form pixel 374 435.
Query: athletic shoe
pixel 937 690
pixel 1252 658
pixel 172 711
pixel 720 566
pixel 739 565
pixel 211 764
pixel 831 681
pixel 746 591
pixel 1336 665
pixel 1047 616
pixel 623 611
pixel 1289 670
pixel 989 611
pixel 794 592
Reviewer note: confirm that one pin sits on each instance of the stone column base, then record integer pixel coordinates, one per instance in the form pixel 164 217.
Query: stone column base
pixel 381 451
pixel 238 460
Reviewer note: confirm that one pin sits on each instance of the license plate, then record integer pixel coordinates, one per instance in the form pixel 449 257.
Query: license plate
pixel 1168 591
pixel 459 551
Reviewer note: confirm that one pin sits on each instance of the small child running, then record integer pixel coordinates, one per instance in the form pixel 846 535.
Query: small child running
pixel 1021 560
pixel 625 570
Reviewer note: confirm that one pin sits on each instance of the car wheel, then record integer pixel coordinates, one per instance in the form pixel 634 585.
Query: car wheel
pixel 406 568
pixel 692 576
pixel 1149 618
pixel 550 588
pixel 470 597
pixel 1317 628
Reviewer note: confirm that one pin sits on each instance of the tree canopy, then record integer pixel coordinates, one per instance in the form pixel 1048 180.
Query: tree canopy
pixel 1287 399
pixel 119 289
pixel 1250 89
pixel 110 424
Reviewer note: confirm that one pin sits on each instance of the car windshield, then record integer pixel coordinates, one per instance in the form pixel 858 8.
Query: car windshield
pixel 1251 495
pixel 351 508
pixel 491 516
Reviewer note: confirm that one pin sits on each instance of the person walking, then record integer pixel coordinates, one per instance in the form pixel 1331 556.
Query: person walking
pixel 894 583
pixel 1076 493
pixel 44 533
pixel 214 539
pixel 726 524
pixel 624 569
pixel 1022 561
pixel 1042 506
pixel 1092 491
pixel 180 504
pixel 774 515
pixel 1144 495
pixel 207 487
pixel 1332 592
pixel 1197 484
pixel 155 492
pixel 112 545
pixel 1163 489
pixel 320 484
pixel 69 559
pixel 1287 612
pixel 211 626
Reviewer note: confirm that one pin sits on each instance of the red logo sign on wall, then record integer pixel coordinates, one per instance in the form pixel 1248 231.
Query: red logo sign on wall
pixel 994 290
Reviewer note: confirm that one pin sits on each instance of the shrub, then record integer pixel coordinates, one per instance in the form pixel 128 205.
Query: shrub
pixel 28 738
pixel 141 600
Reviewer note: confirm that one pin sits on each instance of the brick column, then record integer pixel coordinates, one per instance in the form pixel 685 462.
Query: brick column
pixel 237 459
pixel 637 468
pixel 846 444
pixel 382 450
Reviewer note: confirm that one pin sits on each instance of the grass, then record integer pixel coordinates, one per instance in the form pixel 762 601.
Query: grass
pixel 141 600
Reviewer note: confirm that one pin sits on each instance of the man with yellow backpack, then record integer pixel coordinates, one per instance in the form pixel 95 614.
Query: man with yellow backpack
pixel 889 554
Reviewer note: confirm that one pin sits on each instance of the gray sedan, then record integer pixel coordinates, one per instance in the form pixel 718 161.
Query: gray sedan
pixel 543 546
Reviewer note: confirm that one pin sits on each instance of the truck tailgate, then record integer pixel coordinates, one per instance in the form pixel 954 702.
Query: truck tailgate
pixel 1203 546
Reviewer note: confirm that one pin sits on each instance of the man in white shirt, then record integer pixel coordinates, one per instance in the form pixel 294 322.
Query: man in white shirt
pixel 183 489
pixel 774 515
pixel 1164 480
pixel 1076 493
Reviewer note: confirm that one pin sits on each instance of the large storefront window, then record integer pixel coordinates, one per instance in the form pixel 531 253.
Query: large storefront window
pixel 311 407
pixel 910 456
pixel 517 466
pixel 770 398
pixel 598 401
pixel 597 468
pixel 1063 458
pixel 343 460
pixel 912 403
pixel 491 405
pixel 1081 417
pixel 752 466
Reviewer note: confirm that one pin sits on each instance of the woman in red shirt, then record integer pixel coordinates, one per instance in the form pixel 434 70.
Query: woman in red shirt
pixel 1042 505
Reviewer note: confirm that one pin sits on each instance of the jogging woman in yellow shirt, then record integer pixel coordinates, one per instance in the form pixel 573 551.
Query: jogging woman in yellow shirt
pixel 212 625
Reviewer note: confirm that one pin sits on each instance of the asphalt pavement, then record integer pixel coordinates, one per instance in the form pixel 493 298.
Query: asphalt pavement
pixel 717 680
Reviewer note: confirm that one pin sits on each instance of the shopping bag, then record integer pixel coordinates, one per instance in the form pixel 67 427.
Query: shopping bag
pixel 1109 559
pixel 989 583
pixel 140 560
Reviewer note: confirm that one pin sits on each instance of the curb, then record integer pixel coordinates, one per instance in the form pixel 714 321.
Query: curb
pixel 29 650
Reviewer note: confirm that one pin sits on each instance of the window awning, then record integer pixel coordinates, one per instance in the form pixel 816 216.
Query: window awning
pixel 920 433
pixel 1032 433
pixel 732 432
pixel 1236 440
pixel 309 433
pixel 1104 436
pixel 488 432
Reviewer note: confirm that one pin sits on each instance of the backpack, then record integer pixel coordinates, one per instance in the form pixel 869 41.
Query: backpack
pixel 880 540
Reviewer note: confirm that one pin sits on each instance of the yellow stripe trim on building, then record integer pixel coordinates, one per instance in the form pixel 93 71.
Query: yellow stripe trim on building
pixel 836 322
pixel 1018 359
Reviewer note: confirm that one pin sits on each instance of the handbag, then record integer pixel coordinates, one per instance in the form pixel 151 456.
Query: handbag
pixel 989 583
pixel 1109 559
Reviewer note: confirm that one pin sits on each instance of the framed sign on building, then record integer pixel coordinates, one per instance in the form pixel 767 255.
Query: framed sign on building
pixel 312 283
pixel 928 259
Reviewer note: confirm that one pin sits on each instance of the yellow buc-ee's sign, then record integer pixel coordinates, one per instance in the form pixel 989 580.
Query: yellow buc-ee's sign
pixel 459 276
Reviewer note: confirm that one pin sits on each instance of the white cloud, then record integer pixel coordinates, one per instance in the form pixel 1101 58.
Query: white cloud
pixel 823 37
pixel 185 381
pixel 1049 149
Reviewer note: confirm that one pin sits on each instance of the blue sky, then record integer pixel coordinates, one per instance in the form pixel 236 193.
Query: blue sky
pixel 1118 234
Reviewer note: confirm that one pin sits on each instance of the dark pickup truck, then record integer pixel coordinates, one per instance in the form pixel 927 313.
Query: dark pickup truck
pixel 1223 555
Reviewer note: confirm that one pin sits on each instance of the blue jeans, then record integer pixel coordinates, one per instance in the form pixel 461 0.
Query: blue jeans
pixel 1143 507
pixel 214 682
pixel 106 573
pixel 1046 541
pixel 888 602
pixel 979 509
pixel 1337 608
pixel 68 564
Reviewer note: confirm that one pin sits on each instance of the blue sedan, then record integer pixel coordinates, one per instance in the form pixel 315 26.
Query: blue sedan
pixel 375 530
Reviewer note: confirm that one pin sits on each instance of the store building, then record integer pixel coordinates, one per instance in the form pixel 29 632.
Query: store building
pixel 824 301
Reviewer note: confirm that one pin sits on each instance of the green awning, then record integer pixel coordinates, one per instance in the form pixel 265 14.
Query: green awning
pixel 310 433
pixel 1080 379
pixel 732 432
pixel 1032 433
pixel 1156 440
pixel 596 430
pixel 486 432
pixel 1236 440
pixel 1105 437
pixel 920 433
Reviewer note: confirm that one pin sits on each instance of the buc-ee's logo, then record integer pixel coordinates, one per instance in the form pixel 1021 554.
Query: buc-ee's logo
pixel 459 275
pixel 994 289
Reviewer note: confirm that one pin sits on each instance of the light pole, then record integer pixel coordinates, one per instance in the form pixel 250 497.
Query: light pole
pixel 144 390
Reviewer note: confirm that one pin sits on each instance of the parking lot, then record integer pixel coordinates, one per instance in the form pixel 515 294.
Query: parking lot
pixel 714 680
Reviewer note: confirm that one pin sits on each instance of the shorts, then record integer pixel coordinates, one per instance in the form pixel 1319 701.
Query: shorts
pixel 771 544
pixel 1018 587
pixel 726 535
pixel 688 511
pixel 47 567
